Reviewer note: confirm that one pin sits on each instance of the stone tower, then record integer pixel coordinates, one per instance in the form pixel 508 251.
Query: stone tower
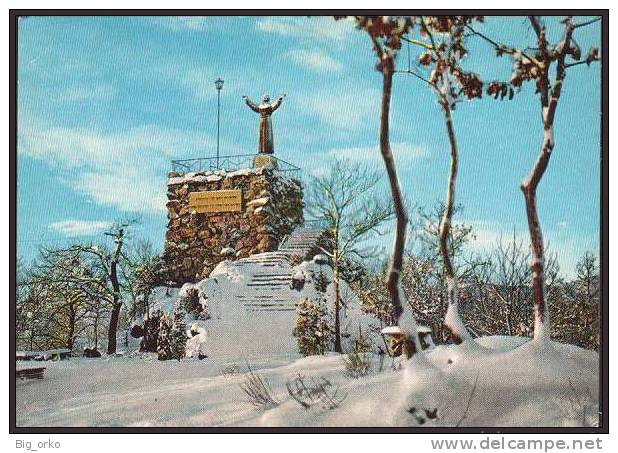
pixel 218 215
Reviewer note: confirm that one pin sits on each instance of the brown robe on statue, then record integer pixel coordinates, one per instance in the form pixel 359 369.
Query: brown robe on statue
pixel 265 109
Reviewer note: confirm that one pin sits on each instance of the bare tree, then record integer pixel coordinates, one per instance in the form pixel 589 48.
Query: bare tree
pixel 345 200
pixel 71 289
pixel 425 276
pixel 386 33
pixel 442 43
pixel 587 279
pixel 503 292
pixel 103 276
pixel 575 309
pixel 143 272
pixel 32 320
pixel 110 266
pixel 536 64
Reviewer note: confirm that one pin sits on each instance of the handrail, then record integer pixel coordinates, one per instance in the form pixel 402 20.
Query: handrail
pixel 229 163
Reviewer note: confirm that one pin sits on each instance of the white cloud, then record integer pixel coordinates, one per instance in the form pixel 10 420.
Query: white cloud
pixel 345 108
pixel 184 23
pixel 73 228
pixel 405 154
pixel 126 169
pixel 322 29
pixel 101 92
pixel 314 60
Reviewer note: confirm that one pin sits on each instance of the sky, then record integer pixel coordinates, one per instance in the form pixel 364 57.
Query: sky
pixel 105 103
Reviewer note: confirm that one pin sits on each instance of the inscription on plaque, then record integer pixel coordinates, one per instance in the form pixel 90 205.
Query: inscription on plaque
pixel 216 201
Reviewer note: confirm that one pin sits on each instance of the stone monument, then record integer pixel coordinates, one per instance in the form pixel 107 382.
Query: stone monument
pixel 266 145
pixel 229 214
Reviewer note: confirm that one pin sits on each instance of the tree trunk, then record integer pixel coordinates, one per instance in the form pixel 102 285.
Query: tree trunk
pixel 117 304
pixel 71 332
pixel 549 102
pixel 528 187
pixel 393 281
pixel 337 301
pixel 113 328
pixel 96 329
pixel 452 320
pixel 146 318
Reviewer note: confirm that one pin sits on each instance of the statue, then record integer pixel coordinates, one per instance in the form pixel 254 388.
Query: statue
pixel 265 109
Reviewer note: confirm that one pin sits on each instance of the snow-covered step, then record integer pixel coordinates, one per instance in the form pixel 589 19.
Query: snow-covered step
pixel 269 283
pixel 301 241
pixel 267 276
pixel 263 278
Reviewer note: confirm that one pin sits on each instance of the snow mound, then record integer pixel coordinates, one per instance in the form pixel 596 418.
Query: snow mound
pixel 537 384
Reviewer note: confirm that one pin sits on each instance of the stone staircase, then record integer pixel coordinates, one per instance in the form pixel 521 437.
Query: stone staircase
pixel 270 273
pixel 301 241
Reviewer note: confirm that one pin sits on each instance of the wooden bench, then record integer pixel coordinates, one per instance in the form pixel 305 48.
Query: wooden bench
pixel 30 373
pixel 51 354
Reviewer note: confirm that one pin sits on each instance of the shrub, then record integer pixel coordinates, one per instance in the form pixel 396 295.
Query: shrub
pixel 312 328
pixel 358 361
pixel 258 391
pixel 311 392
pixel 295 260
pixel 172 337
pixel 190 303
pixel 357 364
pixel 151 333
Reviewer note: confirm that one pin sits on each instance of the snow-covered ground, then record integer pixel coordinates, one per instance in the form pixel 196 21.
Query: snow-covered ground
pixel 533 385
pixel 494 381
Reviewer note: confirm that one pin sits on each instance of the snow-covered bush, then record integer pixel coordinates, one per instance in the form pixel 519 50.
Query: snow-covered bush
pixel 312 329
pixel 189 300
pixel 172 338
pixel 295 260
pixel 150 333
pixel 357 364
pixel 358 361
pixel 196 344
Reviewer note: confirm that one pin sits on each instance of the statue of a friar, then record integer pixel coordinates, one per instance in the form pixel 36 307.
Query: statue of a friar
pixel 265 109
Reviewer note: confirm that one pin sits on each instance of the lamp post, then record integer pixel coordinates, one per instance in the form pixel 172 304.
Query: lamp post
pixel 219 87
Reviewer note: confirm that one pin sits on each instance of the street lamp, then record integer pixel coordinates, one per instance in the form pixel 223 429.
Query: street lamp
pixel 219 87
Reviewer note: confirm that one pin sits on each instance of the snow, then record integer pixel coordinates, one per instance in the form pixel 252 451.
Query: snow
pixel 258 202
pixel 226 251
pixel 501 342
pixel 163 299
pixel 196 345
pixel 535 384
pixel 211 176
pixel 320 259
pixel 454 321
pixel 490 381
pixel 175 181
pixel 392 330
pixel 548 139
pixel 423 329
pixel 226 269
pixel 299 276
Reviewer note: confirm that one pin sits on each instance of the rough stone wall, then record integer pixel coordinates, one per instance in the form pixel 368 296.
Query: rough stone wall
pixel 195 243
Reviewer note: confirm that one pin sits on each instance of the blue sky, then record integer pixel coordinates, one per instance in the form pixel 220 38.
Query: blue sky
pixel 104 104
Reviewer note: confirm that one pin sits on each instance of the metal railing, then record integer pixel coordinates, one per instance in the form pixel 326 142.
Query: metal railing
pixel 230 163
